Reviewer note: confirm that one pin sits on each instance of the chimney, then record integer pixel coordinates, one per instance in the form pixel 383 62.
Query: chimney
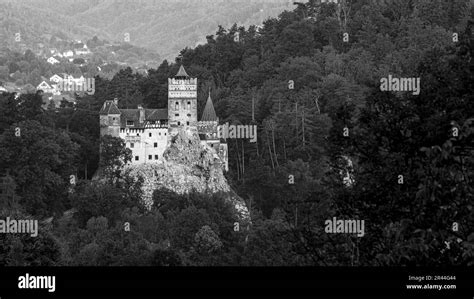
pixel 141 112
pixel 116 101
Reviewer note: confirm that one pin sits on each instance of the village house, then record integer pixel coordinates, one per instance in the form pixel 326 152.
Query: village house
pixel 55 78
pixel 82 51
pixel 52 60
pixel 45 87
pixel 68 53
pixel 55 52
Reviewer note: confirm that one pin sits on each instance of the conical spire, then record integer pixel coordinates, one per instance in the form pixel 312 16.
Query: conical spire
pixel 209 114
pixel 182 72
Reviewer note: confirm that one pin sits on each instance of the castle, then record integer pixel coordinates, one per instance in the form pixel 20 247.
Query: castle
pixel 148 132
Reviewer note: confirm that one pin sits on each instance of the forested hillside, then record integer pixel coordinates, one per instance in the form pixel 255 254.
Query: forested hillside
pixel 165 27
pixel 35 24
pixel 330 144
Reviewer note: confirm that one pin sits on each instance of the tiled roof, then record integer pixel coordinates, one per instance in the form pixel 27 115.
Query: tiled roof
pixel 156 114
pixel 209 114
pixel 182 72
pixel 128 114
pixel 109 107
pixel 134 115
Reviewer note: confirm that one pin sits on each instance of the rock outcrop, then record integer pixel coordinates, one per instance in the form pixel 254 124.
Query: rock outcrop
pixel 187 166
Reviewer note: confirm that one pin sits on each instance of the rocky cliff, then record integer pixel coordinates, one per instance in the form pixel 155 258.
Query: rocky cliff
pixel 187 166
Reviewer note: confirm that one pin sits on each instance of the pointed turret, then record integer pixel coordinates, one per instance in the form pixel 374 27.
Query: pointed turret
pixel 209 114
pixel 182 73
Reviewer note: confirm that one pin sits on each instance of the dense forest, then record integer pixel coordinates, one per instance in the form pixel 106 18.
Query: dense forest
pixel 330 144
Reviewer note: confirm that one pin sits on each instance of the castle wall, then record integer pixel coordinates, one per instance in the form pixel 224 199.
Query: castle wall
pixel 146 142
pixel 110 125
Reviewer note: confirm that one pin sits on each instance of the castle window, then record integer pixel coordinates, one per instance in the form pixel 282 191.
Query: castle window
pixel 138 135
pixel 189 105
pixel 132 145
pixel 187 123
pixel 189 115
pixel 136 158
pixel 176 114
pixel 149 157
pixel 179 123
pixel 155 144
pixel 156 157
pixel 129 122
pixel 113 118
pixel 149 134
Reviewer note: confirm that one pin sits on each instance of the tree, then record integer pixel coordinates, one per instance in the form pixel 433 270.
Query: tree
pixel 113 156
pixel 8 111
pixel 29 55
pixel 40 160
pixel 78 61
pixel 13 67
pixel 24 250
pixel 406 145
pixel 165 258
pixel 273 235
pixel 4 72
pixel 184 225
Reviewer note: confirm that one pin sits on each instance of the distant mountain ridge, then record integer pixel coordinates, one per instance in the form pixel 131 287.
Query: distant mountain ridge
pixel 163 26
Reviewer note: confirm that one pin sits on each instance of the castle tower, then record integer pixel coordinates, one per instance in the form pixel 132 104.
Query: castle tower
pixel 207 129
pixel 182 101
pixel 110 119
